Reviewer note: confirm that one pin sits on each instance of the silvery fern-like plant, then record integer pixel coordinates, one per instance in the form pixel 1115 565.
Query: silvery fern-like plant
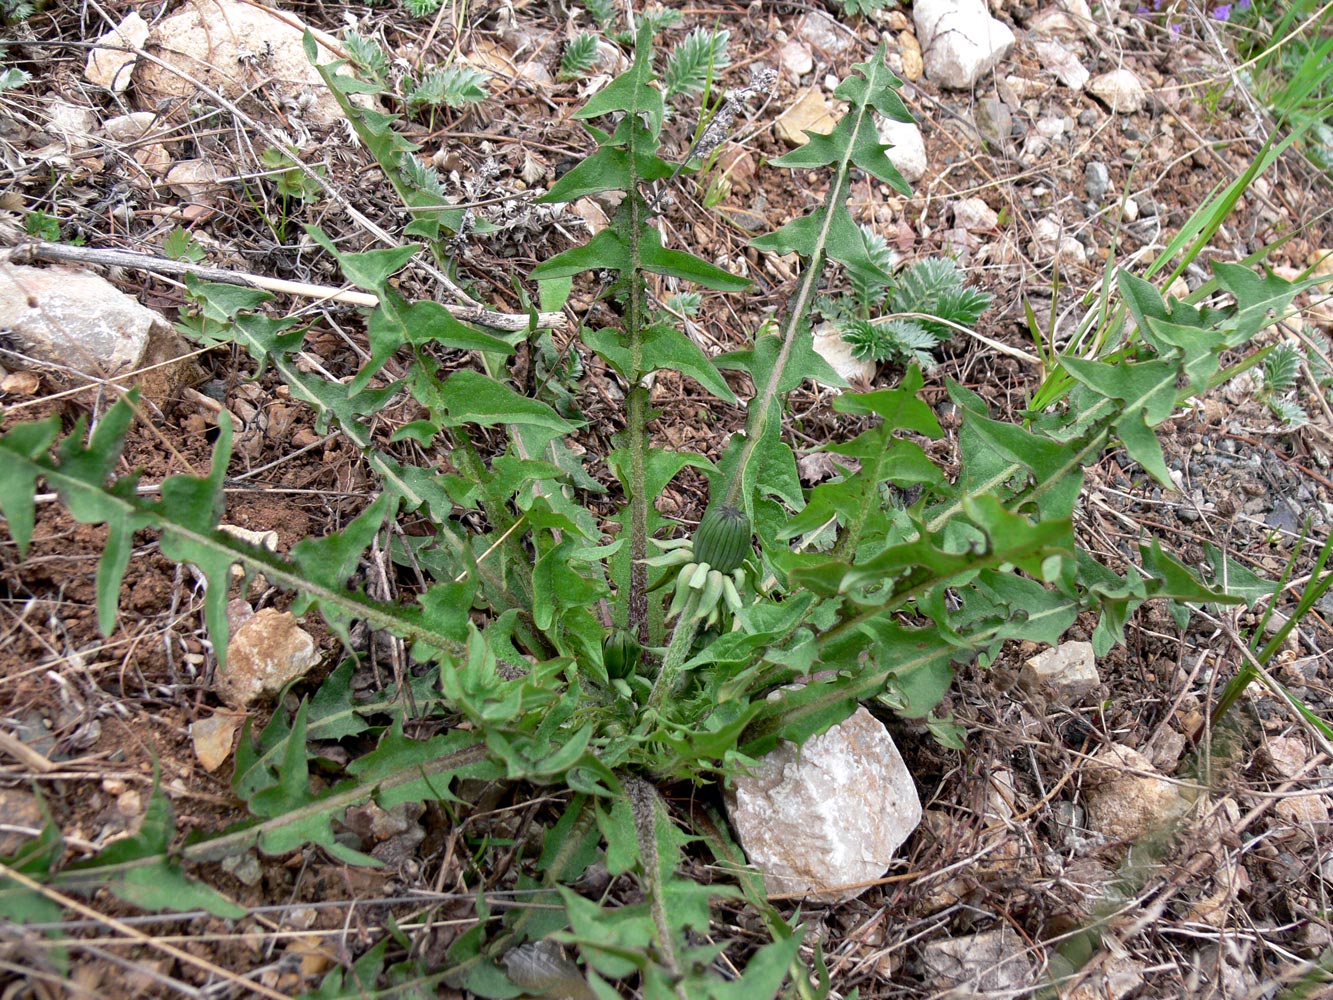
pixel 902 315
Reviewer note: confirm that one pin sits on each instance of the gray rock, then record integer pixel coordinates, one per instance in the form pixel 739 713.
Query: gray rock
pixel 979 964
pixel 75 318
pixel 825 34
pixel 244 868
pixel 1069 670
pixel 907 148
pixel 1096 180
pixel 823 818
pixel 960 40
pixel 994 120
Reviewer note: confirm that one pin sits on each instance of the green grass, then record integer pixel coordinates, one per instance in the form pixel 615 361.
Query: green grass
pixel 1287 53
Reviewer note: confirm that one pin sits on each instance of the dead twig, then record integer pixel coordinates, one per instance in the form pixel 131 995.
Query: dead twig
pixel 103 257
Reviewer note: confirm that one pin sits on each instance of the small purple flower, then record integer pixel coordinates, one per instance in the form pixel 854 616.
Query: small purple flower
pixel 1222 13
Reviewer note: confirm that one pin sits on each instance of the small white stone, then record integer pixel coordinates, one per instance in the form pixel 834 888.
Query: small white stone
pixel 131 127
pixel 1069 669
pixel 1050 242
pixel 110 63
pixel 195 180
pixel 796 59
pixel 830 345
pixel 73 124
pixel 974 214
pixel 1121 90
pixel 1066 66
pixel 907 147
pixel 825 34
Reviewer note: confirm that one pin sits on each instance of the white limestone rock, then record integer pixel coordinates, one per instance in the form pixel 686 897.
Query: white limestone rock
pixel 830 345
pixel 197 180
pixel 796 60
pixel 263 656
pixel 1068 670
pixel 822 818
pixel 960 41
pixel 907 148
pixel 72 124
pixel 1063 63
pixel 1120 89
pixel 76 318
pixel 111 63
pixel 234 48
pixel 133 127
pixel 974 214
pixel 1051 243
pixel 825 34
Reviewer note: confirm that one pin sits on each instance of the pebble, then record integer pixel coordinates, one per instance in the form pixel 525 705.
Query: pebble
pixel 1096 180
pixel 1121 90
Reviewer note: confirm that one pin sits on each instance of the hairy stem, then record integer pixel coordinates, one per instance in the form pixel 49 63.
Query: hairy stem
pixel 648 810
pixel 637 417
pixel 682 641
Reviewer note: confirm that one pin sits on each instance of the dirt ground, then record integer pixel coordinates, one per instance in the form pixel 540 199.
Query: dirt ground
pixel 1236 905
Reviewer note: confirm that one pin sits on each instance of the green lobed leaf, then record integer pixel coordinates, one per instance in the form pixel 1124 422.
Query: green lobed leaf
pixel 18 485
pixel 663 347
pixel 468 397
pixel 632 92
